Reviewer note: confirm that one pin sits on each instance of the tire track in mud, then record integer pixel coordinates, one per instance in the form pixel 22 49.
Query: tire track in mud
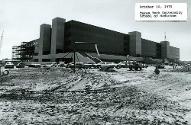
pixel 123 99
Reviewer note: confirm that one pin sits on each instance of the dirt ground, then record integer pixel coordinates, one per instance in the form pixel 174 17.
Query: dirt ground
pixel 92 97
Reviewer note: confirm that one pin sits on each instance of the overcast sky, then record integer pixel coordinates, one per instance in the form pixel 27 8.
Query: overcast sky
pixel 21 20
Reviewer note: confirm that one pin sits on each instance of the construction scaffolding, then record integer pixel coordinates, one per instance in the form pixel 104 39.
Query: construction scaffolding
pixel 24 52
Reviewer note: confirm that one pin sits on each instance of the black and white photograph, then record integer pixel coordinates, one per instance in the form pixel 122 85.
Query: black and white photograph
pixel 95 62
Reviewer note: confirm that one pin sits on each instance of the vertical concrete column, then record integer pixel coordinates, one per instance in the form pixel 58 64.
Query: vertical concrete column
pixel 57 40
pixel 36 50
pixel 165 49
pixel 135 43
pixel 45 39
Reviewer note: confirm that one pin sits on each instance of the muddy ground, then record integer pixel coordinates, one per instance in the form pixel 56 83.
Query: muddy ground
pixel 58 96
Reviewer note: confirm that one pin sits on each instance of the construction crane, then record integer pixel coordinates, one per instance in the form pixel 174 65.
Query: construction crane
pixel 164 36
pixel 2 71
pixel 1 41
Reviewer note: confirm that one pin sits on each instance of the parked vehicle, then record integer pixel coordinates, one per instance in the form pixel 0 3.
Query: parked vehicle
pixel 54 64
pixel 9 65
pixel 135 66
pixel 20 65
pixel 90 65
pixel 108 66
pixel 124 64
pixel 161 66
pixel 62 64
pixel 35 65
pixel 78 65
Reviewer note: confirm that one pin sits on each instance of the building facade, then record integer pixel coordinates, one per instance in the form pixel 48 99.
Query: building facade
pixel 62 37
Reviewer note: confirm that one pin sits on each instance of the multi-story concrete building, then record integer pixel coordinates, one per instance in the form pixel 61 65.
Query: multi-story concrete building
pixel 57 40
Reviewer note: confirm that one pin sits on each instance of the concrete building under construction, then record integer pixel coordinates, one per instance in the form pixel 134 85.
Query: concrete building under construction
pixel 24 52
pixel 61 38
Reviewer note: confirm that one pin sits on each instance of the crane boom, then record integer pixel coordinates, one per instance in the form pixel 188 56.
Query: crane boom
pixel 1 41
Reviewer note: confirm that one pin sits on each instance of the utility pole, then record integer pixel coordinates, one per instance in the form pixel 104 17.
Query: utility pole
pixel 127 59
